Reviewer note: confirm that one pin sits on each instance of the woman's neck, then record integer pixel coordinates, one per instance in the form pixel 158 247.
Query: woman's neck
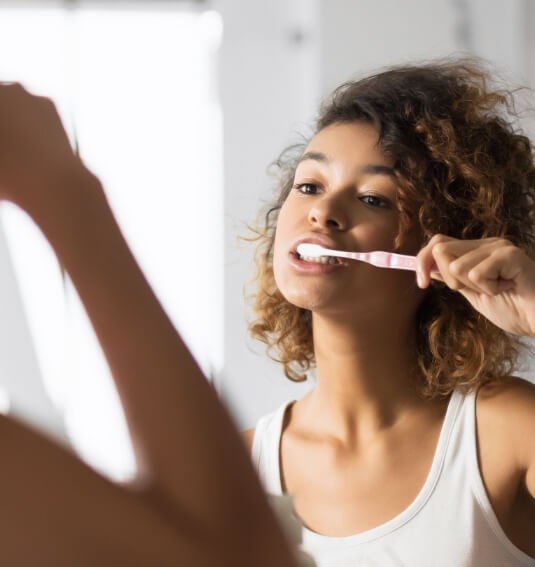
pixel 367 376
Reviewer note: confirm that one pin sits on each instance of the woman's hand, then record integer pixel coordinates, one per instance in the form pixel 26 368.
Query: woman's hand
pixel 35 153
pixel 495 276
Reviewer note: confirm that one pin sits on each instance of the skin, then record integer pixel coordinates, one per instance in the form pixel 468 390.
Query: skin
pixel 364 423
pixel 196 498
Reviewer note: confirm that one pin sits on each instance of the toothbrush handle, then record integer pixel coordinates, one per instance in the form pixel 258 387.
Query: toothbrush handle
pixel 401 261
pixel 404 262
pixel 391 260
pixel 386 260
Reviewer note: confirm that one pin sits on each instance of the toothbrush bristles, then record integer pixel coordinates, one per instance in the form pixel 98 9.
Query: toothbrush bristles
pixel 311 250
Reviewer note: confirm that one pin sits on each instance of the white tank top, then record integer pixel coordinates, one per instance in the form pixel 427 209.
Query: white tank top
pixel 450 523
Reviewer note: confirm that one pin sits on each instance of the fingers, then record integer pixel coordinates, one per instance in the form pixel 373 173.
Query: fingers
pixel 35 151
pixel 487 276
pixel 10 90
pixel 426 259
pixel 487 266
pixel 15 94
pixel 11 84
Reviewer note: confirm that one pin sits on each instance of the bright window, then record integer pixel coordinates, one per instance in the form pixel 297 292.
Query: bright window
pixel 137 86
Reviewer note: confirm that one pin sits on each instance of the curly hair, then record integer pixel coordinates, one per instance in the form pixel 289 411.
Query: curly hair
pixel 463 169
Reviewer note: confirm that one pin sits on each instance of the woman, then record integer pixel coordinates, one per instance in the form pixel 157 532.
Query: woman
pixel 391 459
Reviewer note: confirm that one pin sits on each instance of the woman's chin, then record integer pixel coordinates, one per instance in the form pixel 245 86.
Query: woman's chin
pixel 313 300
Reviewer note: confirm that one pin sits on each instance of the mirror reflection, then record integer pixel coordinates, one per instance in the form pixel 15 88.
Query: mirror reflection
pixel 226 136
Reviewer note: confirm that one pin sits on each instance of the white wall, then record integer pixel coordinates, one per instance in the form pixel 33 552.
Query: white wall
pixel 270 85
pixel 358 37
pixel 21 379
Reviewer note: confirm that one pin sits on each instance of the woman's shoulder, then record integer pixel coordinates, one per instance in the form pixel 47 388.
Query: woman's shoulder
pixel 510 395
pixel 505 413
pixel 247 436
pixel 270 420
pixel 505 417
pixel 511 402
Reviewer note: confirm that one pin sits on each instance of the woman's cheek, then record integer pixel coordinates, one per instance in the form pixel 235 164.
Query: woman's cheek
pixel 281 272
pixel 281 246
pixel 278 271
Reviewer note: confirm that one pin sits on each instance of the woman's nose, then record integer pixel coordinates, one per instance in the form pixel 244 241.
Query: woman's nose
pixel 328 213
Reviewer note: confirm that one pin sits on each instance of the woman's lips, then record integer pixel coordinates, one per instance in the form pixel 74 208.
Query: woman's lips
pixel 312 267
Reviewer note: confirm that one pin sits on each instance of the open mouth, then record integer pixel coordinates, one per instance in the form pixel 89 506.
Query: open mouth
pixel 318 259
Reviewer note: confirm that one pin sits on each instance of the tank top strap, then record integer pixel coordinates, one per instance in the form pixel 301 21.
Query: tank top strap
pixel 451 443
pixel 265 449
pixel 478 487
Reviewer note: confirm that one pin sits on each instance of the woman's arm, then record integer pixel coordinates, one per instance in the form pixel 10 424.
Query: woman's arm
pixel 190 459
pixel 498 279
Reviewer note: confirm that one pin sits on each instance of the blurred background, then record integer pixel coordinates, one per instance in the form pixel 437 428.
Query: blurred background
pixel 179 107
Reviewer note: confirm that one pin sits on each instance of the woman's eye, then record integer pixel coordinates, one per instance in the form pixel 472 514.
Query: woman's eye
pixel 374 201
pixel 307 188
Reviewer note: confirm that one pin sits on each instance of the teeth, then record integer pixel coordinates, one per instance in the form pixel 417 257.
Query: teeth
pixel 320 259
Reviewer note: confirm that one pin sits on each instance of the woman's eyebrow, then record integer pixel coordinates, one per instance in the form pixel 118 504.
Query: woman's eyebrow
pixel 377 169
pixel 316 156
pixel 369 169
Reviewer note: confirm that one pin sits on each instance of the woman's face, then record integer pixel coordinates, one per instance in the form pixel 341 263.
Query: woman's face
pixel 344 197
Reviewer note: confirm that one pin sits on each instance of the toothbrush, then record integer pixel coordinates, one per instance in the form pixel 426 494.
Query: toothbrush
pixel 378 258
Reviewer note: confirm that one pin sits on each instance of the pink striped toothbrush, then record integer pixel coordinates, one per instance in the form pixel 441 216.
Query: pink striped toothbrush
pixel 378 258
